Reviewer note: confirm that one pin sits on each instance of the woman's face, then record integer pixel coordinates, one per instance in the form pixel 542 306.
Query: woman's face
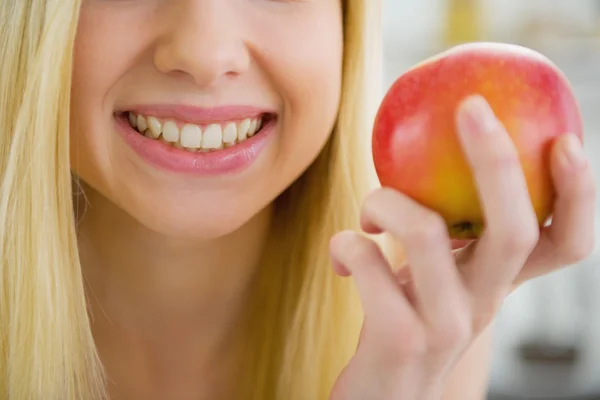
pixel 193 115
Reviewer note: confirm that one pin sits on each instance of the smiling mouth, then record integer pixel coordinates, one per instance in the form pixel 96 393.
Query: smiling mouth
pixel 209 137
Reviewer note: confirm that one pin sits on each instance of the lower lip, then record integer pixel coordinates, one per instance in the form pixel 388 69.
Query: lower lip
pixel 229 160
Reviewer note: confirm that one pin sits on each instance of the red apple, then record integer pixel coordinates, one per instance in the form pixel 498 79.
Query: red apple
pixel 416 149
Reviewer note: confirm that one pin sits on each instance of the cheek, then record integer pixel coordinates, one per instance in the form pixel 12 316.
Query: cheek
pixel 307 70
pixel 88 120
pixel 312 88
pixel 103 52
pixel 310 113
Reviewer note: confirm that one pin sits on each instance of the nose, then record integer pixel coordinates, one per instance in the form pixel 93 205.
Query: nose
pixel 203 42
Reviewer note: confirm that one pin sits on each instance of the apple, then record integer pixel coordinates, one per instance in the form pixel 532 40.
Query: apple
pixel 415 145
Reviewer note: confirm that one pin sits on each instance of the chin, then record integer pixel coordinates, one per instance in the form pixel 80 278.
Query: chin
pixel 190 195
pixel 204 222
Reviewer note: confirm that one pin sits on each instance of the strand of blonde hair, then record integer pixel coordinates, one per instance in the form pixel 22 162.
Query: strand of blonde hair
pixel 46 348
pixel 307 320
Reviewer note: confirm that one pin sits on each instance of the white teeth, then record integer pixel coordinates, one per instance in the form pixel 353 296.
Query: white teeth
pixel 243 130
pixel 155 127
pixel 194 137
pixel 230 133
pixel 213 137
pixel 141 123
pixel 252 129
pixel 191 136
pixel 133 120
pixel 170 132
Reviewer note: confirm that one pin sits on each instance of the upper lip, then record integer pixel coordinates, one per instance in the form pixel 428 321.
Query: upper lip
pixel 199 115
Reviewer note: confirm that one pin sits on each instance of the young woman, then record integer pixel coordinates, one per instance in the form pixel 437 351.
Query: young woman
pixel 177 179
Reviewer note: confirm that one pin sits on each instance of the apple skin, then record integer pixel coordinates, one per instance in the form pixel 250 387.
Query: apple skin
pixel 415 145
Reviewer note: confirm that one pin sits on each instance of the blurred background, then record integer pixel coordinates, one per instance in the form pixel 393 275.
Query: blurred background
pixel 548 332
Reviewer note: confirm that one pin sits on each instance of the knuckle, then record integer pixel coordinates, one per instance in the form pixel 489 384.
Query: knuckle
pixel 588 189
pixel 377 198
pixel 454 334
pixel 431 229
pixel 487 312
pixel 500 160
pixel 412 344
pixel 517 238
pixel 576 251
pixel 379 203
pixel 388 192
pixel 371 203
pixel 402 342
pixel 362 250
pixel 529 236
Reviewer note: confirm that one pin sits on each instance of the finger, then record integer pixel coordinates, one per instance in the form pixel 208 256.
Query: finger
pixel 437 284
pixel 381 297
pixel 570 237
pixel 511 225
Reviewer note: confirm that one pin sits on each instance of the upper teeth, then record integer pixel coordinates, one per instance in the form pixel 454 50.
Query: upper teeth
pixel 194 137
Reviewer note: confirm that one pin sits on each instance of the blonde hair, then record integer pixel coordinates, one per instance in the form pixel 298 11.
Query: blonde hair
pixel 306 320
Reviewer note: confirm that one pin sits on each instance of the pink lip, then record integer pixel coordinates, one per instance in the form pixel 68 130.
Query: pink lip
pixel 226 161
pixel 199 116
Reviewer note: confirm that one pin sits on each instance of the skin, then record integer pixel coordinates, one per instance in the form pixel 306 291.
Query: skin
pixel 156 247
pixel 420 321
pixel 167 291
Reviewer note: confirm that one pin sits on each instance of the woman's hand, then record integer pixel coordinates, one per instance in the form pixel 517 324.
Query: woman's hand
pixel 418 322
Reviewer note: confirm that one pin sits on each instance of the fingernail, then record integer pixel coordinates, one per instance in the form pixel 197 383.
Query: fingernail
pixel 476 116
pixel 573 151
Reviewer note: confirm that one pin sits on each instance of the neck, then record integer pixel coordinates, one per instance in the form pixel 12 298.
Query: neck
pixel 167 302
